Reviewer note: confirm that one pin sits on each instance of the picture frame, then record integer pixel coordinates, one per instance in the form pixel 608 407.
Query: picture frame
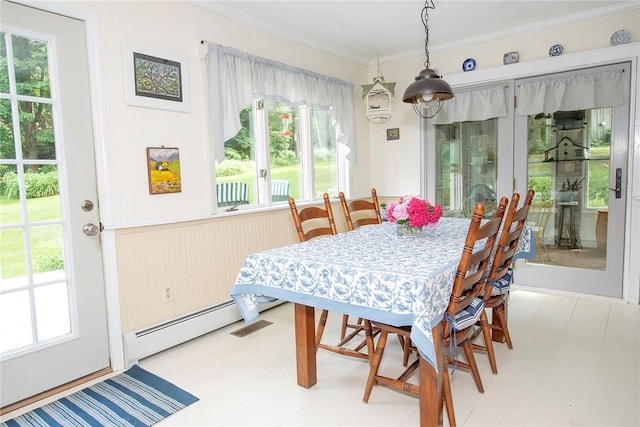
pixel 155 78
pixel 393 134
pixel 163 170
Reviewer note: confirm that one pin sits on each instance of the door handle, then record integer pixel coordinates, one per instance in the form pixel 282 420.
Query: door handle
pixel 618 188
pixel 90 229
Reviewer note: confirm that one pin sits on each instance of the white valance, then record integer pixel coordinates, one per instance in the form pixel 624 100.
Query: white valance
pixel 475 105
pixel 579 92
pixel 236 77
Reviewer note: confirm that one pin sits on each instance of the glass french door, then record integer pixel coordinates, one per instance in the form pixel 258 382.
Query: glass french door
pixel 52 303
pixel 472 159
pixel 576 161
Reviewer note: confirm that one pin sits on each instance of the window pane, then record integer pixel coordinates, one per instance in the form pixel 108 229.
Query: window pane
pixel 568 167
pixel 325 156
pixel 599 134
pixel 15 321
pixel 36 126
pixel 7 145
pixel 31 67
pixel 466 166
pixel 286 165
pixel 4 70
pixel 13 268
pixel 237 172
pixel 52 311
pixel 41 187
pixel 47 254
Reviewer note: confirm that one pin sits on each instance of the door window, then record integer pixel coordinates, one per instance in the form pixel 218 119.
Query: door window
pixel 34 299
pixel 568 167
pixel 466 167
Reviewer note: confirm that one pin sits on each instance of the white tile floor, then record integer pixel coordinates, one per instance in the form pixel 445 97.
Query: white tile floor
pixel 575 362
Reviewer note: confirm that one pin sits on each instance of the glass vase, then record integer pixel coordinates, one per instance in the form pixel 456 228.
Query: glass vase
pixel 406 230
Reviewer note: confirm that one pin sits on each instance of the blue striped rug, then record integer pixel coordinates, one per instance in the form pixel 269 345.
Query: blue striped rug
pixel 133 398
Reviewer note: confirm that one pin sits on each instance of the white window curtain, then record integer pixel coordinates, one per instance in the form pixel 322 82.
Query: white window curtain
pixel 474 105
pixel 579 92
pixel 235 77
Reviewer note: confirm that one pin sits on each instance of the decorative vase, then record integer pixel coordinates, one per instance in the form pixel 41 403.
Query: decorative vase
pixel 406 230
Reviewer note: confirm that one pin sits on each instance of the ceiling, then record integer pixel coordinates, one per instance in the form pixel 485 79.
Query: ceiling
pixel 365 30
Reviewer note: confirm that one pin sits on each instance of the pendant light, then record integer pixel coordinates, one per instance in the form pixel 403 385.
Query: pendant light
pixel 428 91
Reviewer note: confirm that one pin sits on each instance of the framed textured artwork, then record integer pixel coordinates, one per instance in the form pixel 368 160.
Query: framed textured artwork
pixel 163 166
pixel 393 133
pixel 155 78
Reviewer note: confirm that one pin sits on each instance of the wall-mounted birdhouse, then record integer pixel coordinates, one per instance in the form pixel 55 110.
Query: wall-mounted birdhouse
pixel 377 98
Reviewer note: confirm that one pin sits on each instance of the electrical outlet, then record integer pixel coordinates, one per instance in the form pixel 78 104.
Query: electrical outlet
pixel 167 293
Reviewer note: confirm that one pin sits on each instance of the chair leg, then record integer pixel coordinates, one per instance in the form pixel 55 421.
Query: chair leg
pixel 321 325
pixel 486 332
pixel 473 366
pixel 343 329
pixel 375 358
pixel 448 397
pixel 502 320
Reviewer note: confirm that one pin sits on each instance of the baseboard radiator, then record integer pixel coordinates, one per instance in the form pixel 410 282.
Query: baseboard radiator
pixel 143 343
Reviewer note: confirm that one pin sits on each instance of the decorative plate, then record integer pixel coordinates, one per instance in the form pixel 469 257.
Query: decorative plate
pixel 510 58
pixel 556 50
pixel 469 64
pixel 620 37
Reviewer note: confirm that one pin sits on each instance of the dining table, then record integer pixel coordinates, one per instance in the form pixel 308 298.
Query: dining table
pixel 371 273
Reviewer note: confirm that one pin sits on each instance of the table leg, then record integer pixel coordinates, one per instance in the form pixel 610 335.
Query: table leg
pixel 305 345
pixel 431 393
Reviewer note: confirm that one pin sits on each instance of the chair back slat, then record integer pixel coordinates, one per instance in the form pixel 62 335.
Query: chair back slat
pixel 313 221
pixel 361 212
pixel 470 277
pixel 509 237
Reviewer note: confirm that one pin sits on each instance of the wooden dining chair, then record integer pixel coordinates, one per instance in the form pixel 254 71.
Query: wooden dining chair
pixel 496 294
pixel 466 307
pixel 312 222
pixel 360 212
pixel 540 214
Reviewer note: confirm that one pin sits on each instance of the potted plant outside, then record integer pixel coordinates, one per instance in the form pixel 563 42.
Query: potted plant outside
pixel 569 190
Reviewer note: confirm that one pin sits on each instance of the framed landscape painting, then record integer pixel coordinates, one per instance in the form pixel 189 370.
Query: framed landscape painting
pixel 163 165
pixel 155 78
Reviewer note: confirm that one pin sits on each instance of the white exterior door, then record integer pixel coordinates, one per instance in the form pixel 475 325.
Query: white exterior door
pixel 580 247
pixel 53 324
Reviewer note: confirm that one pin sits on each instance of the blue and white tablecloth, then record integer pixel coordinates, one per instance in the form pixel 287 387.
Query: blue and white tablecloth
pixel 370 273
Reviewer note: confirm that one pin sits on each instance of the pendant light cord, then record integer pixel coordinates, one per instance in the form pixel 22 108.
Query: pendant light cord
pixel 425 22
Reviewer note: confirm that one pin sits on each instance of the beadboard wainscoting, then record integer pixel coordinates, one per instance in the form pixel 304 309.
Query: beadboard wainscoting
pixel 198 261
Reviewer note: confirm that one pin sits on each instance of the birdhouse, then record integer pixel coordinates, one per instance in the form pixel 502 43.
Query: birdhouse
pixel 378 97
pixel 566 149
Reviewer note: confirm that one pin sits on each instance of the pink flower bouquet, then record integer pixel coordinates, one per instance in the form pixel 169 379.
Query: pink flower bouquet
pixel 413 211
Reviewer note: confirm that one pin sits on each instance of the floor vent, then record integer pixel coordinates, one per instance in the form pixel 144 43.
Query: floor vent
pixel 243 332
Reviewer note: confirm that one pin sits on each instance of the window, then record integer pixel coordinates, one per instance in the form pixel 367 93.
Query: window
pixel 277 130
pixel 281 151
pixel 470 131
pixel 466 166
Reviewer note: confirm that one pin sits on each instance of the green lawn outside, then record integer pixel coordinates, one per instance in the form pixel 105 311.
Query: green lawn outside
pixel 45 240
pixel 324 179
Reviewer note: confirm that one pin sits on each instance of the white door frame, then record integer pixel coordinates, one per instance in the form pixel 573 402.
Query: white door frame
pixel 116 345
pixel 568 62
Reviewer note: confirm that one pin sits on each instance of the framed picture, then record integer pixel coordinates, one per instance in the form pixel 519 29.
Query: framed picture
pixel 393 134
pixel 155 78
pixel 163 165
